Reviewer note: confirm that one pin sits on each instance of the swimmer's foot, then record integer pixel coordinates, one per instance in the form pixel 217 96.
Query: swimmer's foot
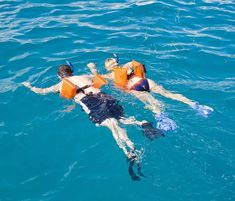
pixel 131 156
pixel 134 155
pixel 150 131
pixel 164 123
pixel 203 110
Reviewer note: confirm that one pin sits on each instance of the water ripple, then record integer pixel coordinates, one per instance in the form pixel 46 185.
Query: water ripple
pixel 187 46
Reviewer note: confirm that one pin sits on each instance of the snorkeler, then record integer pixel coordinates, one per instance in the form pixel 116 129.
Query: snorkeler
pixel 131 77
pixel 102 109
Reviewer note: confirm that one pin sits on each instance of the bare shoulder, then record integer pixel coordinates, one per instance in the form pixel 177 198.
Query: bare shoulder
pixel 84 76
pixel 81 80
pixel 127 65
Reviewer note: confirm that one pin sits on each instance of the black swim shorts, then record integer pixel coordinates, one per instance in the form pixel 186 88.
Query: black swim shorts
pixel 102 107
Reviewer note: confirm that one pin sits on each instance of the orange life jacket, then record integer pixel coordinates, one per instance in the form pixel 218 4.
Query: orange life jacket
pixel 138 69
pixel 68 89
pixel 121 77
pixel 99 81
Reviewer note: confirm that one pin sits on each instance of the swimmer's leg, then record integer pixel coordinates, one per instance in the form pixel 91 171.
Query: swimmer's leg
pixel 147 128
pixel 127 146
pixel 163 122
pixel 120 136
pixel 131 121
pixel 154 87
pixel 203 110
pixel 150 102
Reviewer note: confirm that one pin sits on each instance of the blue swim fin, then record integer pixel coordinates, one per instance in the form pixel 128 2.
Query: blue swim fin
pixel 203 110
pixel 151 132
pixel 164 123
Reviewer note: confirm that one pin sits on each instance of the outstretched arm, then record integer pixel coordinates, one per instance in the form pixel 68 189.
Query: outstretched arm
pixel 43 91
pixel 92 68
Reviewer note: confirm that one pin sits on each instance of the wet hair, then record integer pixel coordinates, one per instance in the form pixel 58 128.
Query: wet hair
pixel 110 63
pixel 65 71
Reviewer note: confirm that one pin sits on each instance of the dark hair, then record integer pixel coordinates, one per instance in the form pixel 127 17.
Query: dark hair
pixel 64 71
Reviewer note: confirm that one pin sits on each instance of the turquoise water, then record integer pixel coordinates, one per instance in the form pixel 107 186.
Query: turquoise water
pixel 49 154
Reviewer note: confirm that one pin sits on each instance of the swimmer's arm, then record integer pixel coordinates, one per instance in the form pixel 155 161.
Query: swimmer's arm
pixel 128 65
pixel 43 91
pixel 92 68
pixel 70 107
pixel 108 76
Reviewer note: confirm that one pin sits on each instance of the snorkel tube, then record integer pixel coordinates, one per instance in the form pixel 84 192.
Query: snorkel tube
pixel 71 65
pixel 116 57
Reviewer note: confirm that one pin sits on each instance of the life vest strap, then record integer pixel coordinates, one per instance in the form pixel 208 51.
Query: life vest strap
pixel 81 89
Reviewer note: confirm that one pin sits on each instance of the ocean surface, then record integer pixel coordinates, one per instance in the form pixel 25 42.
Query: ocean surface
pixel 50 154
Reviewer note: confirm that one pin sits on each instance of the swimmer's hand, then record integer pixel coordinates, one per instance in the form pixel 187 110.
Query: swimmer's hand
pixel 70 108
pixel 27 84
pixel 92 67
pixel 164 123
pixel 203 110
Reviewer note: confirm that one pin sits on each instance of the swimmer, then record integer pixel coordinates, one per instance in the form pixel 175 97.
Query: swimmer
pixel 102 109
pixel 132 78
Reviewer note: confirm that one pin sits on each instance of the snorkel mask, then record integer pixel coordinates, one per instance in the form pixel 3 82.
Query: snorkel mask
pixel 71 65
pixel 65 70
pixel 110 63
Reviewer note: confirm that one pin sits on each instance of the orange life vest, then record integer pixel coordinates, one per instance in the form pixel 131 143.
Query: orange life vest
pixel 138 69
pixel 121 77
pixel 99 81
pixel 68 89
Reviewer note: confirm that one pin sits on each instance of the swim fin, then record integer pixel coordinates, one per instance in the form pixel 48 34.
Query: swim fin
pixel 150 131
pixel 135 165
pixel 164 123
pixel 203 110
